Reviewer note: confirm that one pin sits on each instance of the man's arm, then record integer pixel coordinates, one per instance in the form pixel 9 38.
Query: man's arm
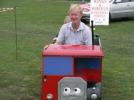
pixel 88 37
pixel 61 37
pixel 59 43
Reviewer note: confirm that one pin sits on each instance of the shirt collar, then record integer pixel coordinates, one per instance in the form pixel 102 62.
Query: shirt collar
pixel 80 26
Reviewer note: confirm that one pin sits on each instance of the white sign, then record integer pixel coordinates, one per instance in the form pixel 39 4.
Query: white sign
pixel 99 12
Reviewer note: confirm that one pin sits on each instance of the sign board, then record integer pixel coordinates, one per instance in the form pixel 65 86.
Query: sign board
pixel 99 12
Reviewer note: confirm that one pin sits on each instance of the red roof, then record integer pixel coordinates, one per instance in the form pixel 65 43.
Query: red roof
pixel 73 50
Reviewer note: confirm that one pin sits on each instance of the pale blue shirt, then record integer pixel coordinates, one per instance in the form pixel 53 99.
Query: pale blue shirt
pixel 82 36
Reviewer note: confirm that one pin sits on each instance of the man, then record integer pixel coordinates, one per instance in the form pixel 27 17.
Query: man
pixel 75 32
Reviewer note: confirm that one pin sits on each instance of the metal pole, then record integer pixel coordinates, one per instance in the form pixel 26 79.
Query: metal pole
pixel 92 28
pixel 15 26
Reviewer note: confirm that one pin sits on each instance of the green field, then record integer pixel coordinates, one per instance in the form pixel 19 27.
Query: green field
pixel 38 21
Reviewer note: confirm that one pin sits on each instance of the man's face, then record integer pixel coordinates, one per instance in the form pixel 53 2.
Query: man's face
pixel 75 16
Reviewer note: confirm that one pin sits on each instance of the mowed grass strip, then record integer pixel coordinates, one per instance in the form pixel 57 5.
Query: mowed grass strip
pixel 38 21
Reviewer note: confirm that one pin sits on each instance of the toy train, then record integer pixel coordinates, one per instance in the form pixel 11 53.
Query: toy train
pixel 72 72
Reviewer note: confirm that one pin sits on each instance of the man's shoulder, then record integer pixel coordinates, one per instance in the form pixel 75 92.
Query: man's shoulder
pixel 86 27
pixel 66 25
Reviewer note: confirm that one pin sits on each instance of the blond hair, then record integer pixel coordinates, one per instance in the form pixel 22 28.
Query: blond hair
pixel 76 7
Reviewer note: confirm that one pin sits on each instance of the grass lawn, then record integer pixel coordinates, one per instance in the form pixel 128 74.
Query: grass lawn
pixel 38 21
